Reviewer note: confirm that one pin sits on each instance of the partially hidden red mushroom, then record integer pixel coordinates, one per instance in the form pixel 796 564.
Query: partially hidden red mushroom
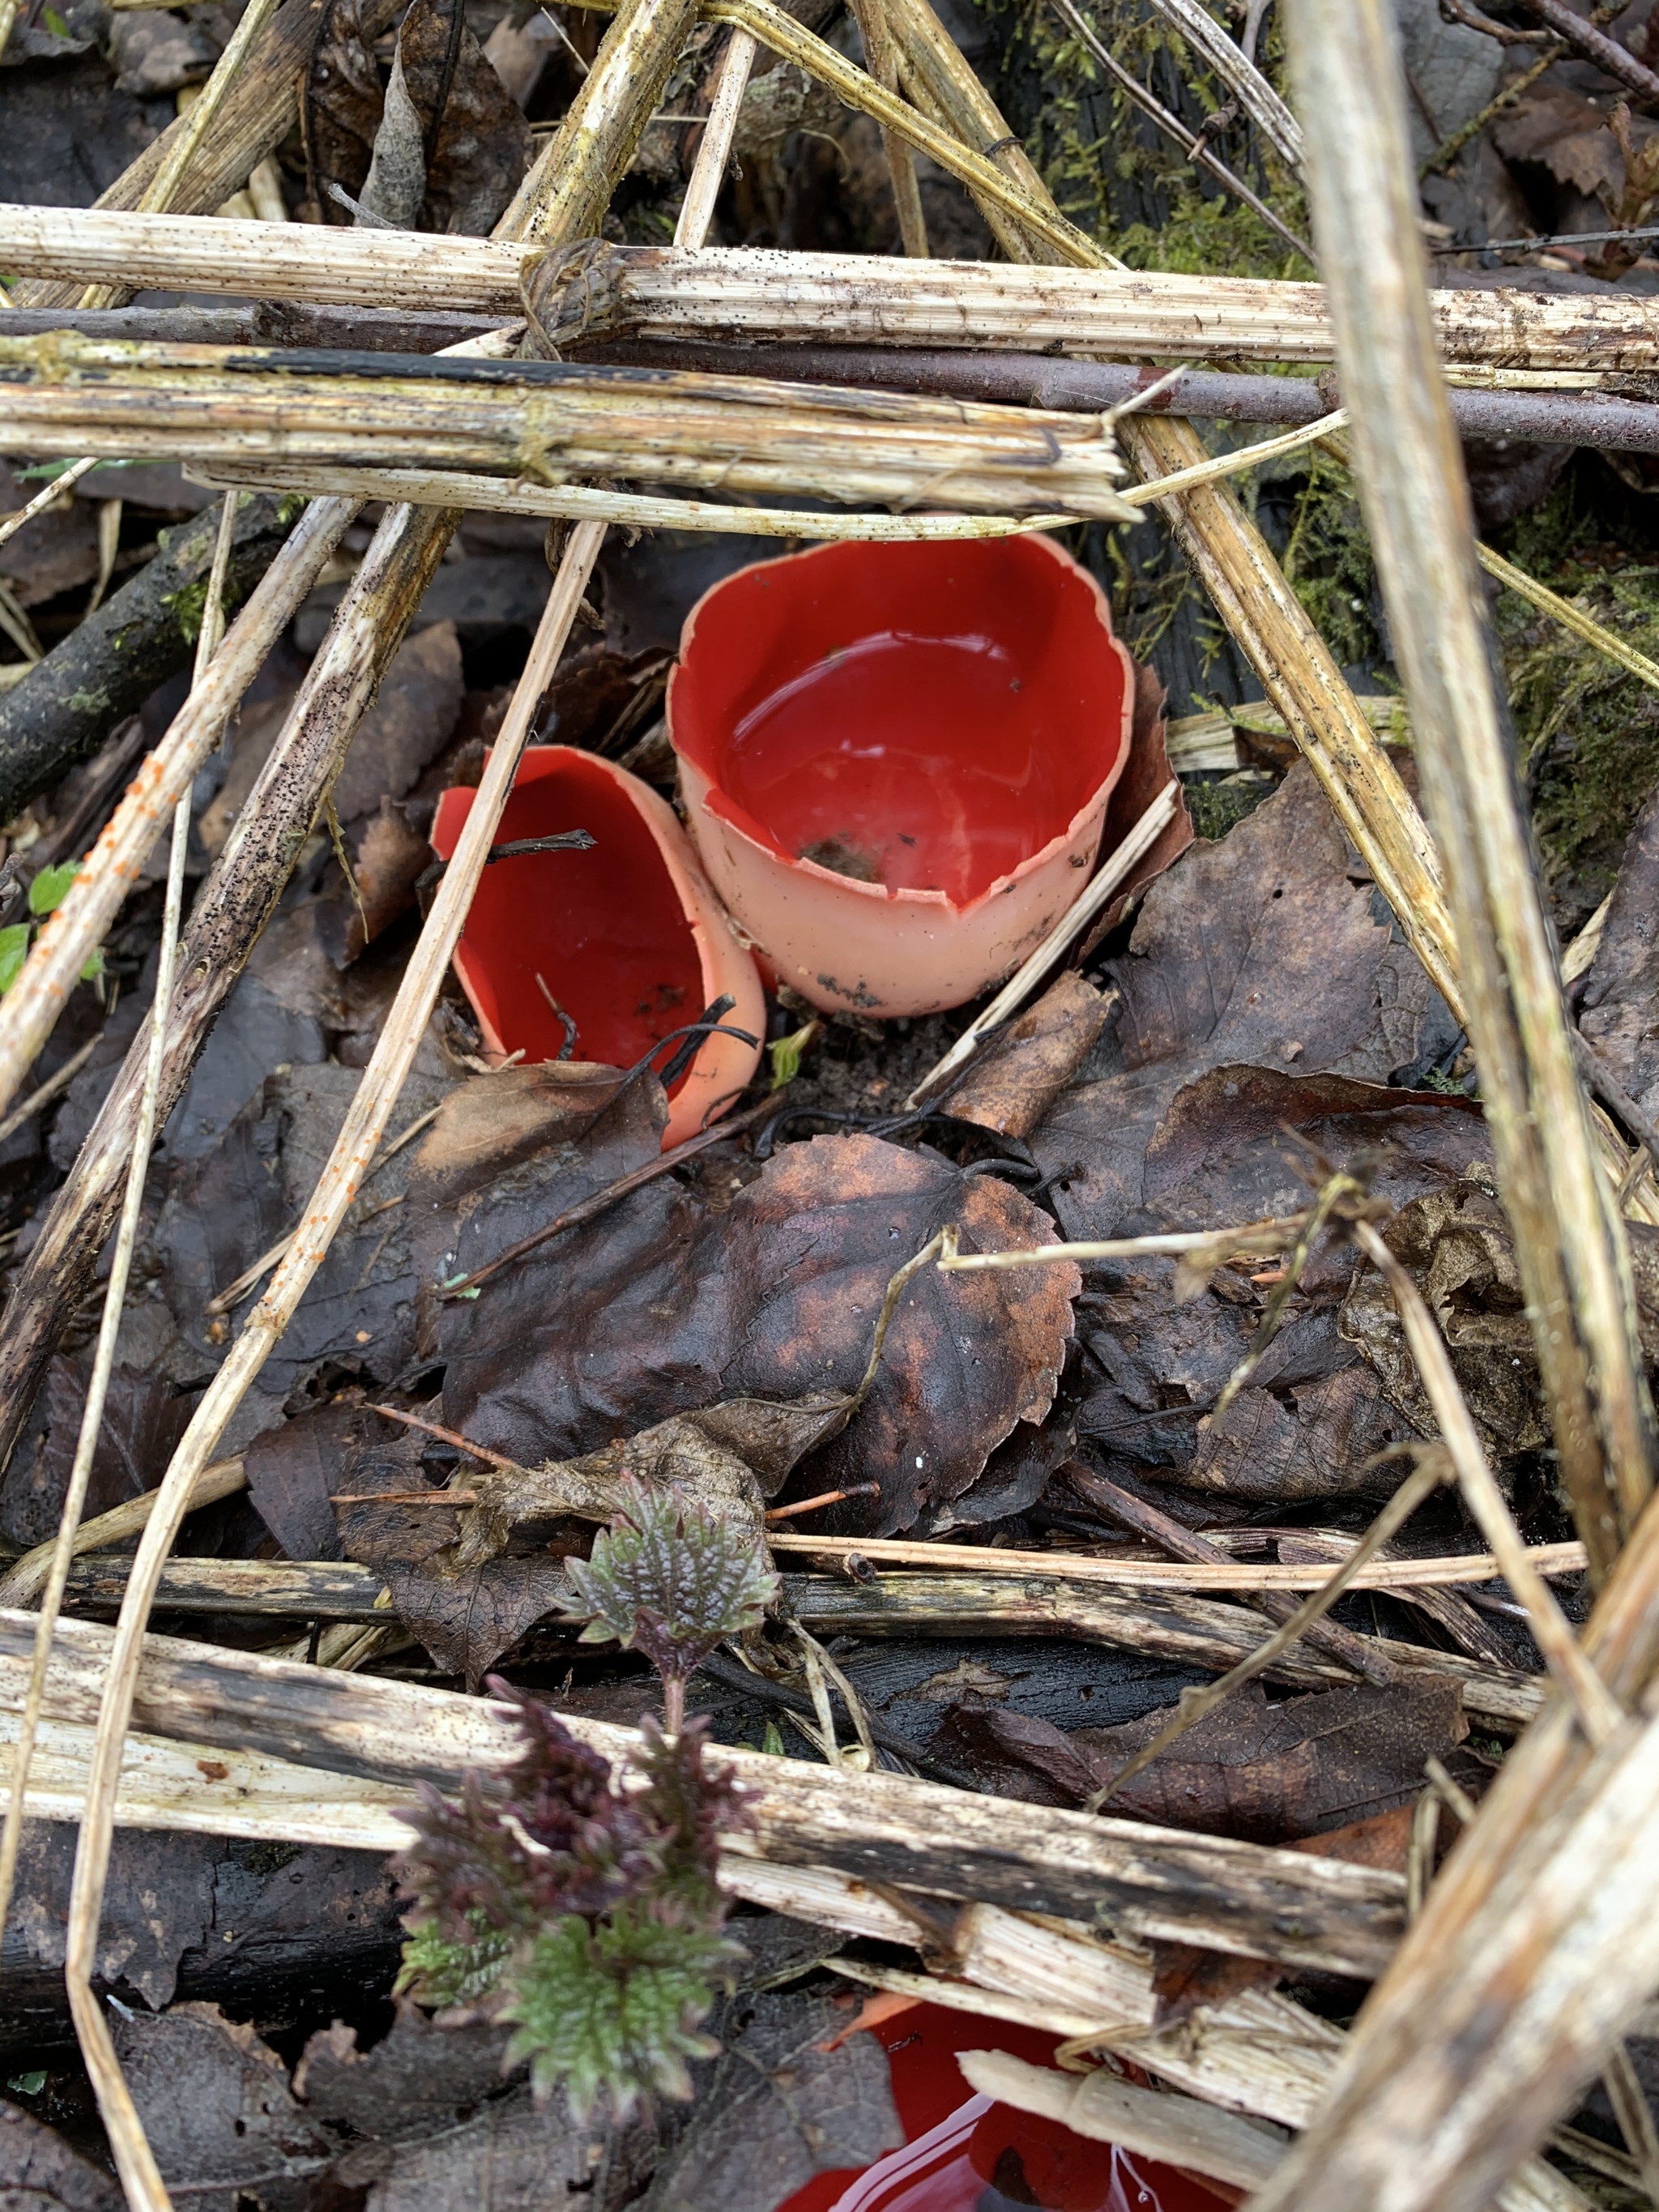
pixel 895 759
pixel 627 938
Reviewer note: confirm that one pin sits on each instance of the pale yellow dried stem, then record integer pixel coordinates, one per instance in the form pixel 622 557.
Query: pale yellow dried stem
pixel 881 59
pixel 60 486
pixel 103 1365
pixel 715 148
pixel 158 194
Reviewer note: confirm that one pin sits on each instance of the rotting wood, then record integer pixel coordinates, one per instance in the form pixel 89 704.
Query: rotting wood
pixel 547 420
pixel 1243 1897
pixel 765 296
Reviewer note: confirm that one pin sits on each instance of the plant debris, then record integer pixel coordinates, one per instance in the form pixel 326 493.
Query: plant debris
pixel 652 1629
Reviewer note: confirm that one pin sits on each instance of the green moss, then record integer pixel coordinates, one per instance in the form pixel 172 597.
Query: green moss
pixel 189 604
pixel 1587 733
pixel 1112 172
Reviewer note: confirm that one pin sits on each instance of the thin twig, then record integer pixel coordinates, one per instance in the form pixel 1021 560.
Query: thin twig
pixel 1335 1188
pixel 1433 1469
pixel 1635 2117
pixel 1262 1236
pixel 103 1366
pixel 61 482
pixel 1593 1705
pixel 824 1498
pixel 49 1090
pixel 715 148
pixel 449 1436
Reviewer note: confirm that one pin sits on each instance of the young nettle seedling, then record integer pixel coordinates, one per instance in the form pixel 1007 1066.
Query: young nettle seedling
pixel 582 1906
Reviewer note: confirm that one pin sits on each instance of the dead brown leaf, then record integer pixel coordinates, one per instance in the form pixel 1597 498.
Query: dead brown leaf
pixel 1027 1066
pixel 1265 1772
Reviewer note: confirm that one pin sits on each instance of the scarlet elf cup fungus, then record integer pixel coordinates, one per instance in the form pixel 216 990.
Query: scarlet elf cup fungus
pixel 626 939
pixel 895 759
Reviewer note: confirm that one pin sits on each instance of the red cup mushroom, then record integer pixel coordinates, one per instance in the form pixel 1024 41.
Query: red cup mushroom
pixel 895 759
pixel 627 938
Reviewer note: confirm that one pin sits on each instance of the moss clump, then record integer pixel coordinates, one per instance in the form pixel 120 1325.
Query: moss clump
pixel 1586 732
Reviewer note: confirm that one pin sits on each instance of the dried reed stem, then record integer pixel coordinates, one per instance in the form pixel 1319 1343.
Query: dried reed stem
pixel 634 510
pixel 715 148
pixel 1502 340
pixel 1403 1574
pixel 109 1328
pixel 572 183
pixel 1239 74
pixel 552 421
pixel 1570 1243
pixel 56 489
pixel 881 59
pixel 1301 679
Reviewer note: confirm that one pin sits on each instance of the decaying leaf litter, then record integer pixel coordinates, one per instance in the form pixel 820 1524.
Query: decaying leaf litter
pixel 1357 1196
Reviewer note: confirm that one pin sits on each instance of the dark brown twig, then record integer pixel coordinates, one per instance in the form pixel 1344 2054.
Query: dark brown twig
pixel 449 1436
pixel 1609 55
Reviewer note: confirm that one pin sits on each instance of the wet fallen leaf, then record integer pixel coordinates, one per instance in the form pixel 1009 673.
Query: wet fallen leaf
pixel 776 2108
pixel 1032 1060
pixel 775 1299
pixel 39 2171
pixel 217 2109
pixel 1266 1772
pixel 144 1417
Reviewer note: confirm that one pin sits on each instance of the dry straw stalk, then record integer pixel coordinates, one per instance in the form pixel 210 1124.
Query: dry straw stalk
pixel 824 298
pixel 548 420
pixel 1534 1948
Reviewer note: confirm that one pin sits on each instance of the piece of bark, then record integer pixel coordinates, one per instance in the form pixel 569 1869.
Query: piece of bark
pixel 108 666
pixel 1012 1085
